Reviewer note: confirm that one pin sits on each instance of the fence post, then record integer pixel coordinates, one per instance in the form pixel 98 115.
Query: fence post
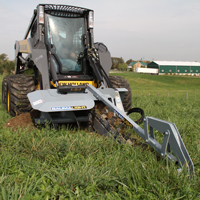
pixel 168 94
pixel 158 94
pixel 177 94
pixel 186 95
pixel 195 95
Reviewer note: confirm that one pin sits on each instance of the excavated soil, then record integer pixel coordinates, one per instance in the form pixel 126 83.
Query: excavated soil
pixel 23 120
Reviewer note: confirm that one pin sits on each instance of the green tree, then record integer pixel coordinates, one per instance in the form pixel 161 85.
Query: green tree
pixel 6 64
pixel 123 67
pixel 3 57
pixel 1 67
pixel 116 61
pixel 121 60
pixel 10 67
pixel 129 61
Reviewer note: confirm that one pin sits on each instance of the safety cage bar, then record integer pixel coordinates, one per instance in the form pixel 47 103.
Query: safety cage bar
pixel 64 10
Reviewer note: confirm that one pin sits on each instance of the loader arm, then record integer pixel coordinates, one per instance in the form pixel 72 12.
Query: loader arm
pixel 172 141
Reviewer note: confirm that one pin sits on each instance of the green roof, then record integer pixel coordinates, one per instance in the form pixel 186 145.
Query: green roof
pixel 143 63
pixel 132 63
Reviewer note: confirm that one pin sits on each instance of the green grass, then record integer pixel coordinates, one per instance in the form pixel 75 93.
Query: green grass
pixel 73 164
pixel 145 84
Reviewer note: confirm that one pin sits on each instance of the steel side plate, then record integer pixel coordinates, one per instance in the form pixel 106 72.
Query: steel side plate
pixel 51 101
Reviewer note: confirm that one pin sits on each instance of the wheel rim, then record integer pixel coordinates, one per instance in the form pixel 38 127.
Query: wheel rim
pixel 8 101
pixel 38 86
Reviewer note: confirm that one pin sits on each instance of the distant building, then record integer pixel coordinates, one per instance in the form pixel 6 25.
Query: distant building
pixel 137 64
pixel 143 64
pixel 176 67
pixel 145 70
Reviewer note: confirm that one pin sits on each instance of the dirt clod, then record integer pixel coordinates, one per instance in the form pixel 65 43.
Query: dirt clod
pixel 23 120
pixel 110 115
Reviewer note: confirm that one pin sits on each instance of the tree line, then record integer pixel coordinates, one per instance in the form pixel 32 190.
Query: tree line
pixel 6 66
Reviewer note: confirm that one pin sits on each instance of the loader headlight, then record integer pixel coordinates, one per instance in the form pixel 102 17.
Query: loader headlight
pixel 41 15
pixel 91 19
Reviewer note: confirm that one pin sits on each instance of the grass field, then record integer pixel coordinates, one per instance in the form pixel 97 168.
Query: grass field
pixel 74 164
pixel 145 84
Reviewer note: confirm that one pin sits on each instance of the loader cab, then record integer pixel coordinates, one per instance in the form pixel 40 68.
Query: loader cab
pixel 64 40
pixel 67 35
pixel 57 50
pixel 67 32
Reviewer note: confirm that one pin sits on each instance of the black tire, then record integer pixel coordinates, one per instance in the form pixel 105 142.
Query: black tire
pixel 120 82
pixel 18 86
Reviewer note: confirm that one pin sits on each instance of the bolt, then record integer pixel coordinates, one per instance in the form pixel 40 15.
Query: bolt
pixel 162 154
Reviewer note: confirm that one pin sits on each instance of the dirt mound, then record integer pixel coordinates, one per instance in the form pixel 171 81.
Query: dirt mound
pixel 23 120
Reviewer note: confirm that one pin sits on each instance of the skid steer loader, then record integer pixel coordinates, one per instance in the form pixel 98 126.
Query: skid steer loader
pixel 61 73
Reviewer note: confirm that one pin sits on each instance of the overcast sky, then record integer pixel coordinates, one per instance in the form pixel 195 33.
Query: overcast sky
pixel 131 29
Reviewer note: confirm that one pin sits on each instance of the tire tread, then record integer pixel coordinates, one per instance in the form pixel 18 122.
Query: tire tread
pixel 121 82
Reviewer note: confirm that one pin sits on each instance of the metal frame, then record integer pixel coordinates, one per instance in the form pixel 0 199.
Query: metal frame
pixel 172 142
